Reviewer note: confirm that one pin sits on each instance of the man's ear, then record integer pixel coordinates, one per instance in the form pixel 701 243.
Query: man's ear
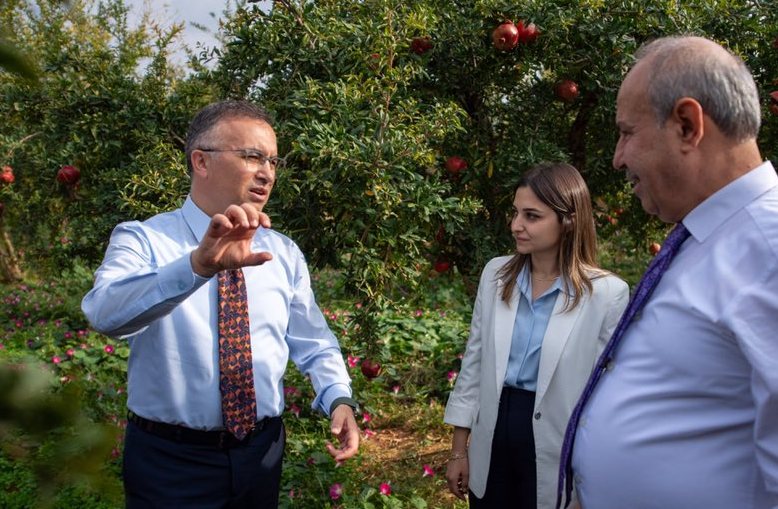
pixel 689 117
pixel 199 161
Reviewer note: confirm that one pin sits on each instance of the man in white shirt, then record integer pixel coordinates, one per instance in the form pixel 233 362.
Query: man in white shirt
pixel 686 415
pixel 157 287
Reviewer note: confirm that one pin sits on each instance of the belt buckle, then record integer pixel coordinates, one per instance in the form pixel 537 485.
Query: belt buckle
pixel 224 437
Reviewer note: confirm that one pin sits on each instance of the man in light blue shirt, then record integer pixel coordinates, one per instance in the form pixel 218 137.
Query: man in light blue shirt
pixel 686 414
pixel 156 287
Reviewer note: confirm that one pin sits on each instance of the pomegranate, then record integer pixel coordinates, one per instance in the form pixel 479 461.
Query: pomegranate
pixel 421 45
pixel 442 265
pixel 370 368
pixel 455 165
pixel 566 90
pixel 506 36
pixel 529 34
pixel 7 175
pixel 68 175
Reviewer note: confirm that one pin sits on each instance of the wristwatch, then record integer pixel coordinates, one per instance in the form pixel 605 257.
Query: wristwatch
pixel 344 401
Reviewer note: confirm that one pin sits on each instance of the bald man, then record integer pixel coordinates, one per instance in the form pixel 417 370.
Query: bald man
pixel 686 414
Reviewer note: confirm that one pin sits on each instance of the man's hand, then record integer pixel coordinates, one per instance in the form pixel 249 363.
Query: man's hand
pixel 227 242
pixel 344 426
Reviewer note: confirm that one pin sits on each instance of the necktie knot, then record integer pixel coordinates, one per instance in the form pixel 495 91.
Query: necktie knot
pixel 677 237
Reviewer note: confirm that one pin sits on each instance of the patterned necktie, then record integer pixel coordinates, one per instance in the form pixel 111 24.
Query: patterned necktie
pixel 236 378
pixel 647 284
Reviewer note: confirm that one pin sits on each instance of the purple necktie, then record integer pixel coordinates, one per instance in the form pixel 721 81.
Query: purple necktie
pixel 236 379
pixel 647 284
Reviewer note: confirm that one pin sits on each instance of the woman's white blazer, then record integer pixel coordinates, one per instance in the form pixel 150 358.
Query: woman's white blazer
pixel 572 343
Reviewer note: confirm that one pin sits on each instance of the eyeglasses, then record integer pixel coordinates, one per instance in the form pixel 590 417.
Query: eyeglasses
pixel 254 159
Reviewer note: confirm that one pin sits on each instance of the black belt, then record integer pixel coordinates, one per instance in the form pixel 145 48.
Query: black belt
pixel 222 439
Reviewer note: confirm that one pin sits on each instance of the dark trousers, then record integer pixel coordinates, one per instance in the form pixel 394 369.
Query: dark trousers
pixel 512 480
pixel 166 473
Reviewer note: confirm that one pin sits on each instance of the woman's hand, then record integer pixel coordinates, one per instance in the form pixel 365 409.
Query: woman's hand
pixel 458 474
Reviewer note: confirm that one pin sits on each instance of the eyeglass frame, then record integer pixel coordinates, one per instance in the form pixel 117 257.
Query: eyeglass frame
pixel 276 162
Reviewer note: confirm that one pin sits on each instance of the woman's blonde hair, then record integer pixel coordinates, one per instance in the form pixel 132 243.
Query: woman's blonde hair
pixel 561 187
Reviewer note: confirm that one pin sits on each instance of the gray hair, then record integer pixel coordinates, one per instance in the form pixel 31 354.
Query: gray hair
pixel 719 80
pixel 208 117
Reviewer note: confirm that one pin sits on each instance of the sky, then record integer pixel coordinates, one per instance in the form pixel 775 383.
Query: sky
pixel 203 12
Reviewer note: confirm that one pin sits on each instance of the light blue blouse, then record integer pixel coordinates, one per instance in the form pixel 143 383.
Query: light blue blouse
pixel 529 327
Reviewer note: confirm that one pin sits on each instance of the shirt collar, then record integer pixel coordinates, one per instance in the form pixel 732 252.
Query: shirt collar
pixel 724 203
pixel 197 220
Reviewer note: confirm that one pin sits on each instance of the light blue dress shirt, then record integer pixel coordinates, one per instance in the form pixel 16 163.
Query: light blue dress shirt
pixel 146 291
pixel 529 328
pixel 686 416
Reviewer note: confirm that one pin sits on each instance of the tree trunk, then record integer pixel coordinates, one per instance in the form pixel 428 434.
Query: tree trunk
pixel 9 263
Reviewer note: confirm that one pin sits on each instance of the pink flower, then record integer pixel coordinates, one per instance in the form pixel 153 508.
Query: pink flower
pixel 395 389
pixel 70 352
pixel 385 489
pixel 292 493
pixel 56 359
pixel 353 360
pixel 108 349
pixel 451 376
pixel 419 313
pixel 336 490
pixel 428 472
pixel 358 305
pixel 366 418
pixel 291 391
pixel 68 335
pixel 2 346
pixel 295 410
pixel 369 433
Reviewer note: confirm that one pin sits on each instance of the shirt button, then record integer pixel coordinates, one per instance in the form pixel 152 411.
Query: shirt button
pixel 537 416
pixel 609 366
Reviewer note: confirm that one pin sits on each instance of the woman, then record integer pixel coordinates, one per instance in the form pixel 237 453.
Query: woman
pixel 541 318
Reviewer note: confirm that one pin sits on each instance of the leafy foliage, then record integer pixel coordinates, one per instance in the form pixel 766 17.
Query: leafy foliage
pixel 95 107
pixel 367 120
